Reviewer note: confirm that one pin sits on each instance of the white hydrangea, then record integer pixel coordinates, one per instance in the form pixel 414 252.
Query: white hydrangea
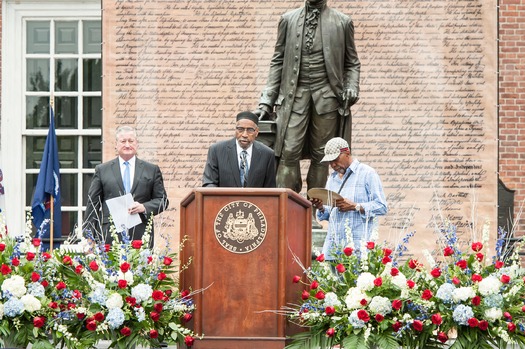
pixel 493 314
pixel 331 299
pixel 461 294
pixel 365 281
pixel 128 276
pixel 489 285
pixel 31 303
pixel 380 305
pixel 400 281
pixel 114 301
pixel 15 285
pixel 353 298
pixel 141 292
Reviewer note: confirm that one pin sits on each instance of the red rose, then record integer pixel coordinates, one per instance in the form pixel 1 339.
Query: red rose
pixel 320 258
pixel 157 295
pixel 340 268
pixel 314 285
pixel 168 293
pixel 305 295
pixel 411 284
pixel 397 304
pixel 35 276
pixel 370 245
pixel 319 295
pixel 158 307
pixel 124 267
pixel 505 279
pixel 125 331
pixel 153 334
pixel 15 261
pixel 131 300
pixel 499 264
pixel 187 317
pixel 122 284
pixel 78 269
pixel 396 326
pixel 348 251
pixel 417 325
pixel 167 261
pixel 436 319
pixel 296 279
pixel 479 256
pixel 53 305
pixel 378 282
pixel 455 281
pixel 91 325
pixel 476 278
pixel 507 315
pixel 427 294
pixel 330 332
pixel 154 316
pixel 39 321
pixel 5 269
pixel 93 265
pixel 477 246
pixel 136 244
pixel 442 337
pixel 476 301
pixel 189 340
pixel 436 272
pixel 523 308
pixel 46 256
pixel 379 317
pixel 44 283
pixel 387 252
pixel 448 251
pixel 80 316
pixel 107 247
pixel 150 259
pixel 329 310
pixel 161 276
pixel 67 260
pixel 363 315
pixel 363 302
pixel 2 247
pixel 30 256
pixel 511 326
pixel 386 260
pixel 462 264
pixel 77 294
pixel 394 271
pixel 483 325
pixel 473 322
pixel 99 316
pixel 36 242
pixel 413 264
pixel 61 285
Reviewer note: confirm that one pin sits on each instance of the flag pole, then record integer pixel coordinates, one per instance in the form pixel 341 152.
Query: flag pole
pixel 52 198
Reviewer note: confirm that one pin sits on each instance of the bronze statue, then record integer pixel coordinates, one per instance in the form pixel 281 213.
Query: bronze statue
pixel 312 83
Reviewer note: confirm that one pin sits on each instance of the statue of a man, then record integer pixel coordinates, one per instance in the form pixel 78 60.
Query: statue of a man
pixel 312 82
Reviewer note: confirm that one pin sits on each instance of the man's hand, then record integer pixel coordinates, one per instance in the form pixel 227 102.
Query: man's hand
pixel 136 208
pixel 345 205
pixel 318 204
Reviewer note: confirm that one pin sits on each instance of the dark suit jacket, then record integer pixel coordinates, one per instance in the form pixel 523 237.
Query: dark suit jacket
pixel 147 189
pixel 222 166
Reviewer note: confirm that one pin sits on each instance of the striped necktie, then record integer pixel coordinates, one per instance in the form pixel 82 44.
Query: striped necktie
pixel 244 169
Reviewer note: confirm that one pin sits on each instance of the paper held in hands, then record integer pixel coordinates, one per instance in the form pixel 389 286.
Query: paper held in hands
pixel 327 196
pixel 118 209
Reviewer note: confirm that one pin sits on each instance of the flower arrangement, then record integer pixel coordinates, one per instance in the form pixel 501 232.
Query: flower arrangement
pixel 370 297
pixel 125 293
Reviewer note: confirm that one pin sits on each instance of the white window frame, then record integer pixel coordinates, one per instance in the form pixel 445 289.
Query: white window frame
pixel 15 12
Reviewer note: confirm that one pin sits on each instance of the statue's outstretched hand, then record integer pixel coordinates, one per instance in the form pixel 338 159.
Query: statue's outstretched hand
pixel 351 97
pixel 263 112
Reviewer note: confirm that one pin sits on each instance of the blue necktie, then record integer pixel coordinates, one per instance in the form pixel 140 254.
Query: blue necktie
pixel 127 178
pixel 244 169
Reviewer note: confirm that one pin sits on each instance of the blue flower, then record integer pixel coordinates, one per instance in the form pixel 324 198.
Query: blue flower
pixel 445 292
pixel 13 307
pixel 493 301
pixel 36 289
pixel 115 318
pixel 462 313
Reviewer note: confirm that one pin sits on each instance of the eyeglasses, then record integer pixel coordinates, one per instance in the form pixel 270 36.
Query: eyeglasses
pixel 250 130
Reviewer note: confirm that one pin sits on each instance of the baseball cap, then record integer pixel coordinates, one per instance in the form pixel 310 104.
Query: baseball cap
pixel 333 148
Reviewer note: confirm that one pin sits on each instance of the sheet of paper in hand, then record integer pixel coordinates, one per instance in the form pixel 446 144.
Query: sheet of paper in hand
pixel 327 196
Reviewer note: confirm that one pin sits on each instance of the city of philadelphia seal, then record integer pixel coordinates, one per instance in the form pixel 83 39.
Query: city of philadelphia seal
pixel 240 227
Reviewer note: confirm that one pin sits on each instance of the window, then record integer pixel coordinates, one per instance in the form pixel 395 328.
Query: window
pixel 60 55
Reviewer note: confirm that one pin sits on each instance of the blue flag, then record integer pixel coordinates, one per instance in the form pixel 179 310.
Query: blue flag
pixel 48 186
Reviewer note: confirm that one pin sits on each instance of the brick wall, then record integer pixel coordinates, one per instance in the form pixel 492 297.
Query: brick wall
pixel 512 102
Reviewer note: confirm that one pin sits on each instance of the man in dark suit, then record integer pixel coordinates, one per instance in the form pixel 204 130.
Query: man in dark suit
pixel 241 161
pixel 125 174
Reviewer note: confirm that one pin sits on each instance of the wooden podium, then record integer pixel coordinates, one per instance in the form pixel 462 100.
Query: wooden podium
pixel 242 241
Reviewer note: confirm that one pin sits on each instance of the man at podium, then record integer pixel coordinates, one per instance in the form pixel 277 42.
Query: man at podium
pixel 355 198
pixel 241 161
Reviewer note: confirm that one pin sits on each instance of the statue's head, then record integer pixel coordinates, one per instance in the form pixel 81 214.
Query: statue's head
pixel 316 3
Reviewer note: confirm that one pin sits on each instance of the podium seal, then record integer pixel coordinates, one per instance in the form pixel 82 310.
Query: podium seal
pixel 240 227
